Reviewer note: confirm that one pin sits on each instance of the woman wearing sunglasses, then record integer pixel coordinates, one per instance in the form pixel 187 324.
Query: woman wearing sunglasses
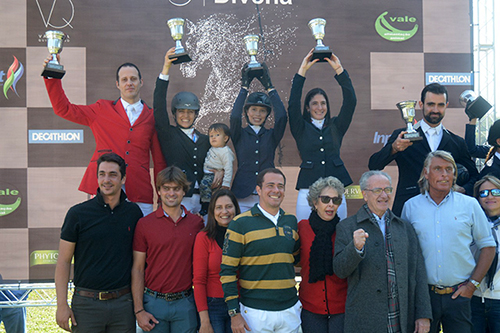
pixel 485 303
pixel 321 292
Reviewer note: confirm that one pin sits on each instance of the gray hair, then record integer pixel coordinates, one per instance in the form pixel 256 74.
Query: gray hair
pixel 363 181
pixel 318 186
pixel 423 183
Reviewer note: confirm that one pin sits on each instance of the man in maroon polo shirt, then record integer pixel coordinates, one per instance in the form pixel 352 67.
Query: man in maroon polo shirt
pixel 162 272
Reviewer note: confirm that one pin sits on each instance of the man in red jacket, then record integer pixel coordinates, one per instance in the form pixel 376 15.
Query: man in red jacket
pixel 125 127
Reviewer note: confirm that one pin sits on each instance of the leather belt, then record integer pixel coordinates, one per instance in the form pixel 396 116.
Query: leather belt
pixel 440 290
pixel 169 297
pixel 103 295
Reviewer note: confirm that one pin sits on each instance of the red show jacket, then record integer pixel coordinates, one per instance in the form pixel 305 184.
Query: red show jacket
pixel 321 297
pixel 113 133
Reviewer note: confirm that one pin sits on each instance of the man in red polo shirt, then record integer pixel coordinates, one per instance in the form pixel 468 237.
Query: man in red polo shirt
pixel 162 272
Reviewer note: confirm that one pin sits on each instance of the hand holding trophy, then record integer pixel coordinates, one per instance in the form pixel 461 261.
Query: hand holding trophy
pixel 176 26
pixel 55 41
pixel 475 106
pixel 407 109
pixel 321 51
pixel 255 69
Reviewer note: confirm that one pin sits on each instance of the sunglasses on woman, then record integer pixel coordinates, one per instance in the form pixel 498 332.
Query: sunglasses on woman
pixel 326 199
pixel 494 192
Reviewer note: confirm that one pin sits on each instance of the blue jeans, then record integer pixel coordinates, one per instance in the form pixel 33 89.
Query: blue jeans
pixel 219 318
pixel 318 323
pixel 178 316
pixel 14 319
pixel 485 316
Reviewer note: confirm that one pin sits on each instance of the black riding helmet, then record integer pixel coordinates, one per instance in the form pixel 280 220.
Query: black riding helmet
pixel 257 99
pixel 185 100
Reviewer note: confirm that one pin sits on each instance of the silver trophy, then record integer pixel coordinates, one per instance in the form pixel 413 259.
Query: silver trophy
pixel 407 109
pixel 55 41
pixel 252 46
pixel 475 106
pixel 321 51
pixel 176 26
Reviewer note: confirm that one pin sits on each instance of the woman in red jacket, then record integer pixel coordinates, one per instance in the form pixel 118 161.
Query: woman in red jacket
pixel 207 257
pixel 321 292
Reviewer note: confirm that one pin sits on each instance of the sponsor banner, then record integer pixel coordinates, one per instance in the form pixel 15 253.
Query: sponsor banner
pixel 43 257
pixel 353 192
pixel 55 136
pixel 396 25
pixel 450 79
pixel 13 198
pixel 12 77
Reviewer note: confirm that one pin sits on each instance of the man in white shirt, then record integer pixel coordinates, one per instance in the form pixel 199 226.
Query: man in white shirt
pixel 410 155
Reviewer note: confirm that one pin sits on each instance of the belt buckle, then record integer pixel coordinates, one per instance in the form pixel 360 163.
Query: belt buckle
pixel 101 295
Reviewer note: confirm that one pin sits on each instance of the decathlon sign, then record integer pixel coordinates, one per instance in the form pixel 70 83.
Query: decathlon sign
pixel 55 136
pixel 449 79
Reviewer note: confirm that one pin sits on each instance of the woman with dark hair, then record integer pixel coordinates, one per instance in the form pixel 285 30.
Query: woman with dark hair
pixel 207 257
pixel 254 144
pixel 322 293
pixel 485 303
pixel 317 134
pixel 492 162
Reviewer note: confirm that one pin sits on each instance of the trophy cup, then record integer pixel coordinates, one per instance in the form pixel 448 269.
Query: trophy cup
pixel 475 106
pixel 176 26
pixel 321 51
pixel 407 109
pixel 252 46
pixel 55 41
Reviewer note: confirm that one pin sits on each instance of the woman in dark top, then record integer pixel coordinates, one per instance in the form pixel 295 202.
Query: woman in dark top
pixel 317 134
pixel 254 144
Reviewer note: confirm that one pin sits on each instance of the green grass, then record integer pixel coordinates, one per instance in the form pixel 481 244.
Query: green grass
pixel 40 319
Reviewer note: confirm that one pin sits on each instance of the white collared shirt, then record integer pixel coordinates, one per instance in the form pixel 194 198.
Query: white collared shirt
pixel 318 123
pixel 133 110
pixel 190 133
pixel 433 134
pixel 256 129
pixel 273 218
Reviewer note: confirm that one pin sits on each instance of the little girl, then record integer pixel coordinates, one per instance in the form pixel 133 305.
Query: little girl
pixel 219 157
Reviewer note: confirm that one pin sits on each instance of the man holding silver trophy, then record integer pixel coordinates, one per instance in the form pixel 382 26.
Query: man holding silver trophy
pixel 125 127
pixel 410 152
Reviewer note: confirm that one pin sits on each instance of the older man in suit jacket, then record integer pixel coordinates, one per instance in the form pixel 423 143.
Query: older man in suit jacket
pixel 410 156
pixel 380 256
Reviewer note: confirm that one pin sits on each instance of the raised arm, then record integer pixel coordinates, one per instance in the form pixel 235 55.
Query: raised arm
pixel 80 114
pixel 160 97
pixel 343 120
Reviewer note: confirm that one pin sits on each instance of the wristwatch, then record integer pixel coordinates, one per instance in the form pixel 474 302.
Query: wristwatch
pixel 475 283
pixel 233 312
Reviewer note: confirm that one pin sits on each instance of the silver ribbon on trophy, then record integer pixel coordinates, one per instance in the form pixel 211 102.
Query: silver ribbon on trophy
pixel 475 106
pixel 407 109
pixel 55 40
pixel 176 26
pixel 252 46
pixel 321 51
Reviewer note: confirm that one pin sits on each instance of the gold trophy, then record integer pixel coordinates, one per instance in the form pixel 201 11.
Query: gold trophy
pixel 407 109
pixel 176 26
pixel 55 41
pixel 252 46
pixel 321 51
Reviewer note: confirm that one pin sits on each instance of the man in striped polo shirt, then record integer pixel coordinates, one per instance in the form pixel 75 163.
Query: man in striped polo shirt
pixel 262 245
